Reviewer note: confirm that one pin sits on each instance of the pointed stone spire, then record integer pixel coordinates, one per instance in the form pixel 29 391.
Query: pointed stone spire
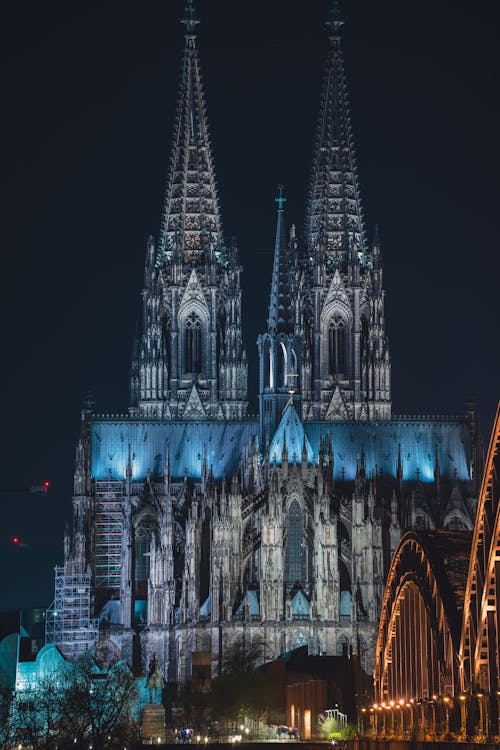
pixel 334 215
pixel 280 306
pixel 191 226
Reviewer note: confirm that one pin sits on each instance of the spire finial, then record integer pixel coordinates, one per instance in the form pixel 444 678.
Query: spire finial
pixel 190 22
pixel 335 22
pixel 281 200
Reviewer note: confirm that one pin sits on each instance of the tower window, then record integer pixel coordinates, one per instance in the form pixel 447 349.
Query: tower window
pixel 192 345
pixel 336 345
pixel 295 553
pixel 364 336
pixel 143 534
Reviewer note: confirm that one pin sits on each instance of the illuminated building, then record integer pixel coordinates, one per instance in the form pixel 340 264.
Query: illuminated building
pixel 196 525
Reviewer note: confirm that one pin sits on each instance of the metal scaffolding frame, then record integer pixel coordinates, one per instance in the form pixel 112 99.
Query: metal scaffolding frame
pixel 68 622
pixel 108 533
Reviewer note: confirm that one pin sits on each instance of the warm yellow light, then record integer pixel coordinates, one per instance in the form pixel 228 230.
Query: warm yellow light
pixel 462 697
pixel 401 702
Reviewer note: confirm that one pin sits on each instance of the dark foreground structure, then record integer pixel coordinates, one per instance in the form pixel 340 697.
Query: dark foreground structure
pixel 437 659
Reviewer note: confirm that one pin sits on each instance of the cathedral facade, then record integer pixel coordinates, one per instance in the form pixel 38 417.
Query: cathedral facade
pixel 200 527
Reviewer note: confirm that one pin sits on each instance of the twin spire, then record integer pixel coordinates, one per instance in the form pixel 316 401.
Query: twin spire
pixel 191 223
pixel 334 215
pixel 191 226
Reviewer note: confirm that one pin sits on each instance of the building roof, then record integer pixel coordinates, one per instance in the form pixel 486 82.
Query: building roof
pixel 415 441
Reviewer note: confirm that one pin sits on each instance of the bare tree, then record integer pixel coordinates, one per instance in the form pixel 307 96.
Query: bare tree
pixel 34 716
pixel 242 655
pixel 97 706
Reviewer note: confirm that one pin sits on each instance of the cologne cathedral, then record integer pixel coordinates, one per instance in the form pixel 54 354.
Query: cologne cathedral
pixel 196 526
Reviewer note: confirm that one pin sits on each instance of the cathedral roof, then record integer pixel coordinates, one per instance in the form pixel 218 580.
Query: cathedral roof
pixel 290 434
pixel 334 215
pixel 191 217
pixel 415 440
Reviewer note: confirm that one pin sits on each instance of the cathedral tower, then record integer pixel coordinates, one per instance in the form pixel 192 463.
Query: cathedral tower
pixel 200 530
pixel 190 362
pixel 279 348
pixel 346 364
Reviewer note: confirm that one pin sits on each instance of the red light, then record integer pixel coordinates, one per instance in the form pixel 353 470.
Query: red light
pixel 15 540
pixel 46 484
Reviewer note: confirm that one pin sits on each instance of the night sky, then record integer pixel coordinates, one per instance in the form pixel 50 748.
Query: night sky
pixel 88 98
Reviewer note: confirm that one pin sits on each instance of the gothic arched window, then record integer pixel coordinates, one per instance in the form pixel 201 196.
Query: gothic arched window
pixel 143 534
pixel 295 552
pixel 336 345
pixel 192 345
pixel 166 342
pixel 281 359
pixel 364 335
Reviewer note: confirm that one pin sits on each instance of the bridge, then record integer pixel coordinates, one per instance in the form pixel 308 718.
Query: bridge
pixel 437 672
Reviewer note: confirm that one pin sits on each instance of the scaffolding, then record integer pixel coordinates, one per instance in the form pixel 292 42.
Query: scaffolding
pixel 108 533
pixel 68 622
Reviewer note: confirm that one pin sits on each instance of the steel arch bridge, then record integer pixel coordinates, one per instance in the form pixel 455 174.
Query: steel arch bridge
pixel 439 641
pixel 419 632
pixel 480 638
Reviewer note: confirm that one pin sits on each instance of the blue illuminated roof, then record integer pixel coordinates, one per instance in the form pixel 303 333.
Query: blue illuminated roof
pixel 417 441
pixel 252 600
pixel 224 444
pixel 290 431
pixel 300 605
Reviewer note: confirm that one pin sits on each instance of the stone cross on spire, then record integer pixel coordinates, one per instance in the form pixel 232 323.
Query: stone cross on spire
pixel 335 22
pixel 190 22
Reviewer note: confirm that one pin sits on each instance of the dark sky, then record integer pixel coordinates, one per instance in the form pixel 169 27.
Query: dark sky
pixel 88 94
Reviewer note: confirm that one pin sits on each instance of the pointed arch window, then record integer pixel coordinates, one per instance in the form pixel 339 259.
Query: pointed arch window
pixel 364 336
pixel 143 535
pixel 192 345
pixel 295 548
pixel 336 345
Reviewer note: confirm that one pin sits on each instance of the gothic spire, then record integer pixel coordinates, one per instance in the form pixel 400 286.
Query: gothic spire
pixel 280 306
pixel 334 216
pixel 191 220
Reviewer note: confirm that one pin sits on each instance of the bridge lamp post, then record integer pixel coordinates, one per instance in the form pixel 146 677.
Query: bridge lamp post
pixel 391 709
pixel 463 716
pixel 433 716
pixel 384 723
pixel 373 724
pixel 399 721
pixel 482 723
pixel 447 701
pixel 402 707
